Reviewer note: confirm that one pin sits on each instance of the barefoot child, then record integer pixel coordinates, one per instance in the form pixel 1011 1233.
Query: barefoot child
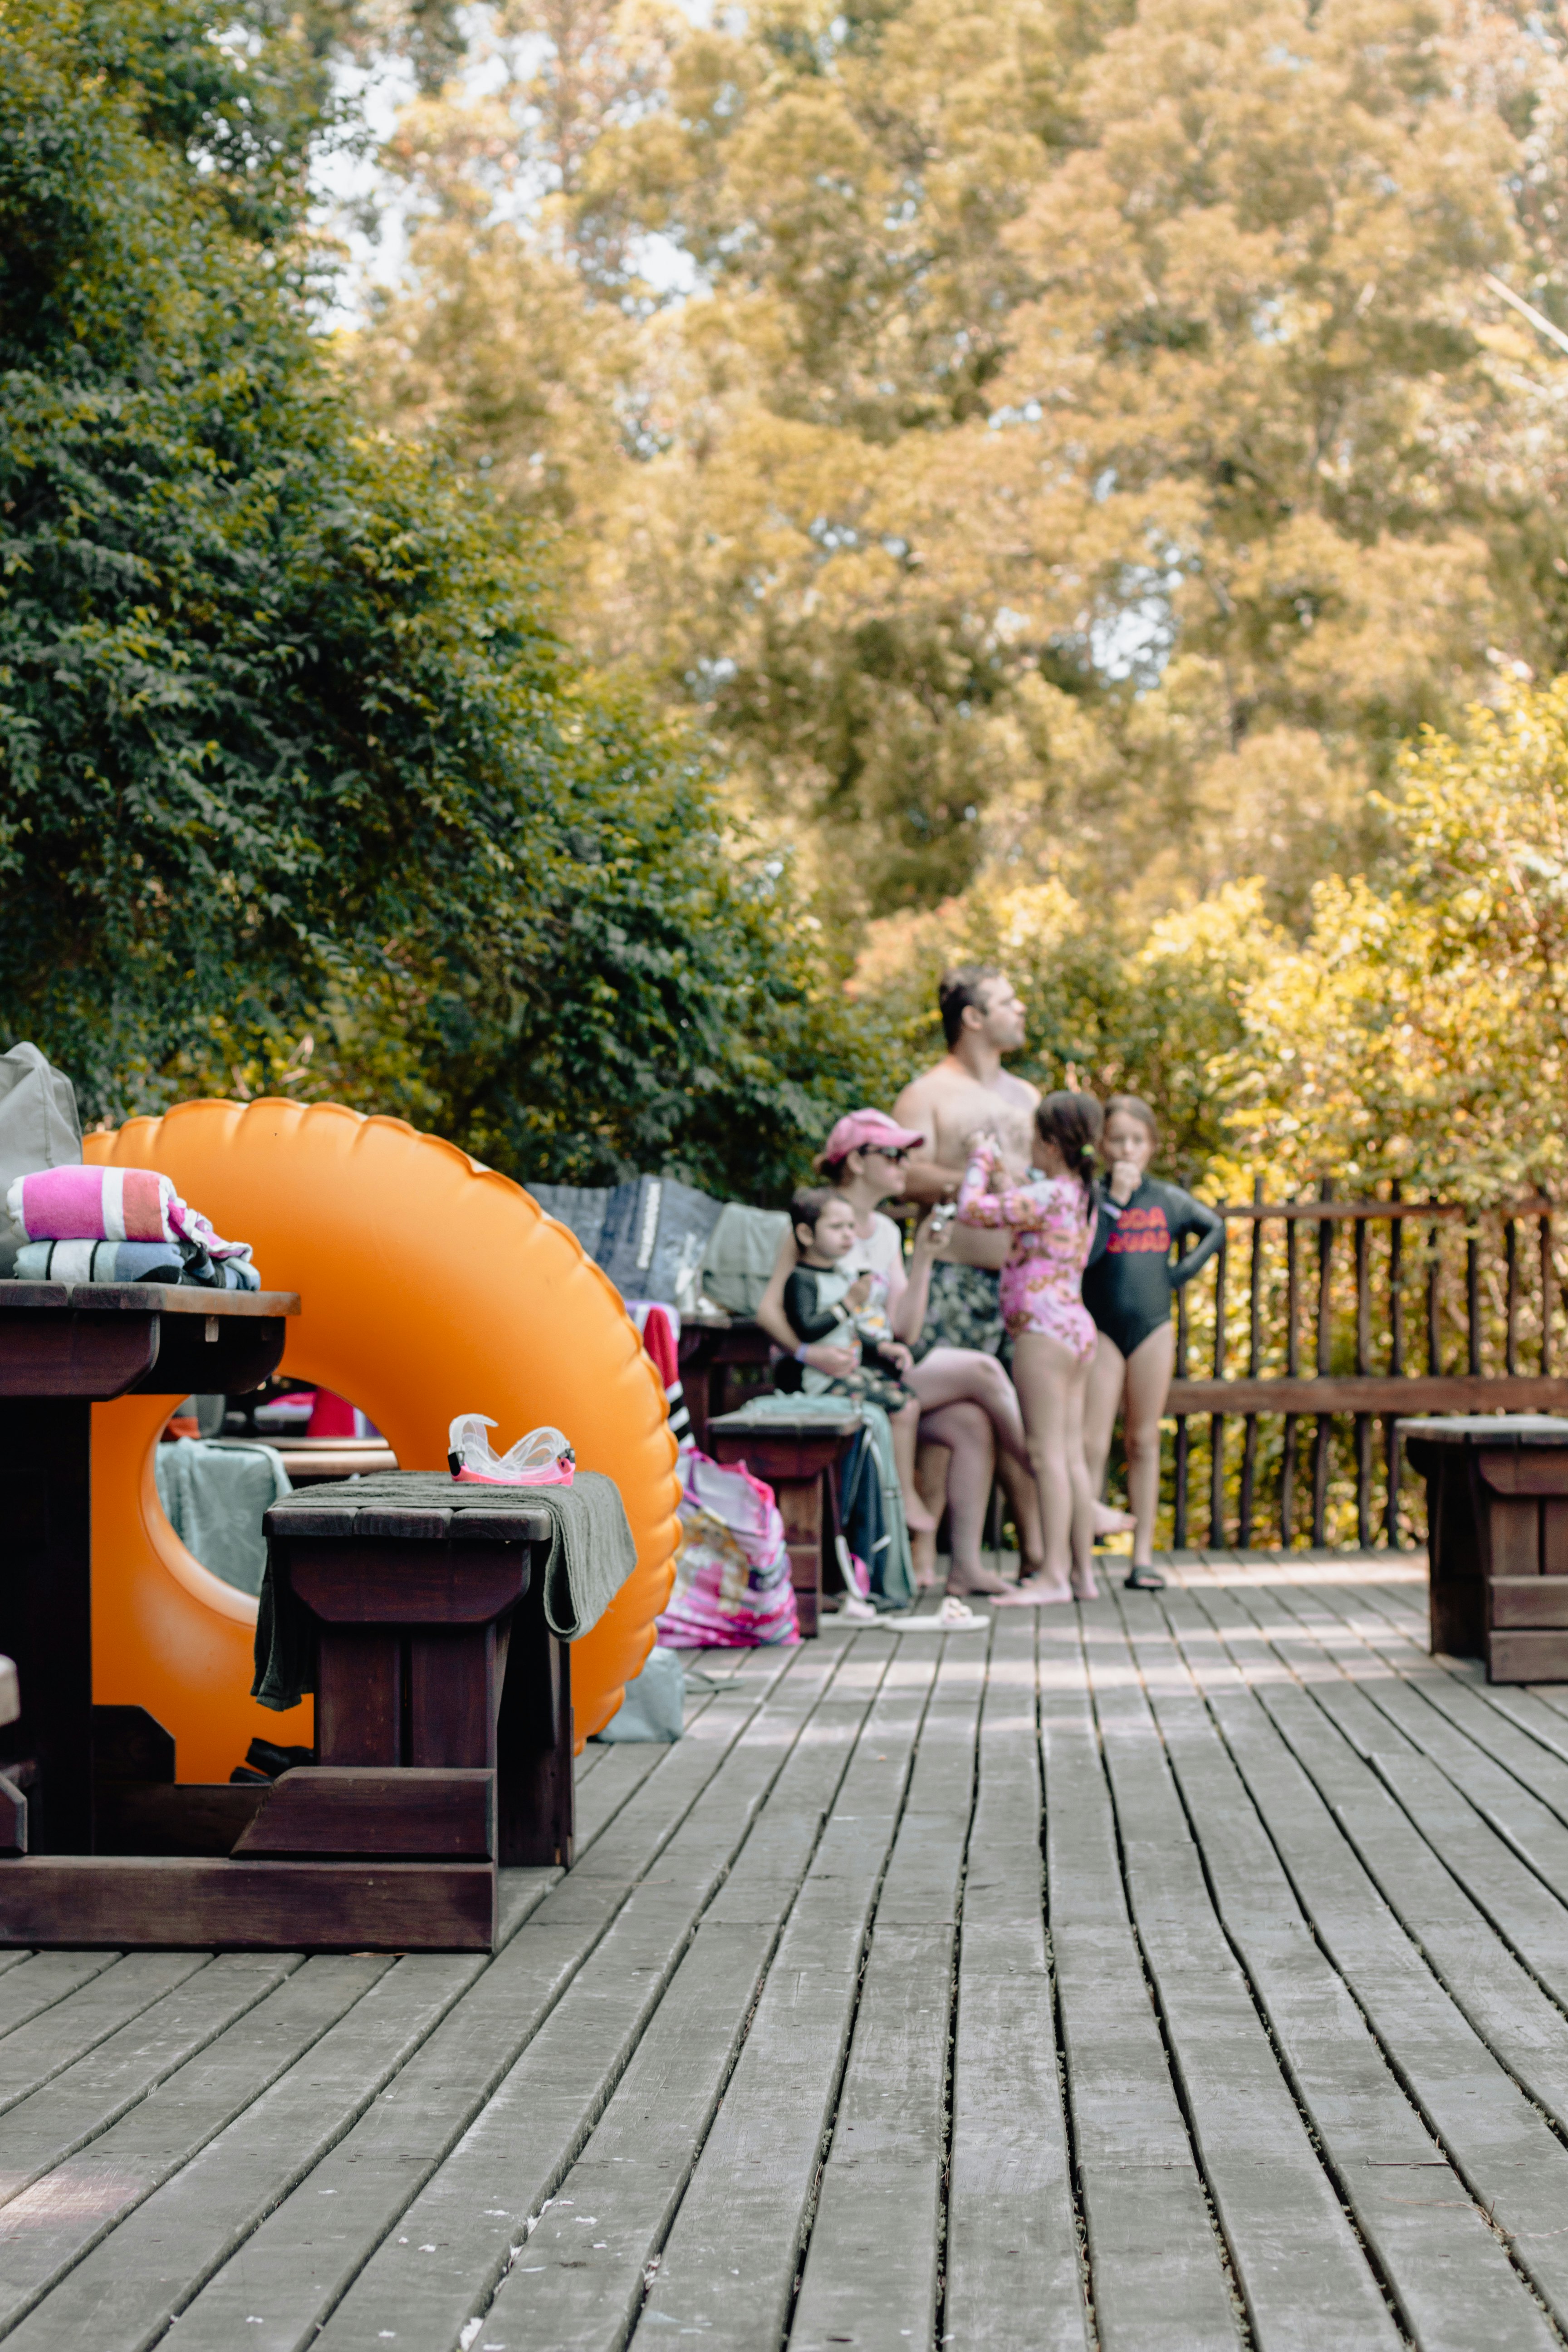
pixel 1053 1222
pixel 822 1302
pixel 1128 1292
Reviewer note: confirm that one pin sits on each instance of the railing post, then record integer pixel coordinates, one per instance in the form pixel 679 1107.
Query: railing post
pixel 1473 1295
pixel 1324 1429
pixel 1294 1369
pixel 1254 1310
pixel 1434 1300
pixel 1362 1365
pixel 1216 1421
pixel 1546 1296
pixel 1179 1500
pixel 1392 1449
pixel 1510 1263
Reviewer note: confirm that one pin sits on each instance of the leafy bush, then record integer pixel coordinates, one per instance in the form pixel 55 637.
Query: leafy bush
pixel 301 792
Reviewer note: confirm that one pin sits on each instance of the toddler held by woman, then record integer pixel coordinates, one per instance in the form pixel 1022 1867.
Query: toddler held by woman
pixel 821 1301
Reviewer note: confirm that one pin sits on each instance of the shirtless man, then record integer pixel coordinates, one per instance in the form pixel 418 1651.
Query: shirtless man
pixel 969 1092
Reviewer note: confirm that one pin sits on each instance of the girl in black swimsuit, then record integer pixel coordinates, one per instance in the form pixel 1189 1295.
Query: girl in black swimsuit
pixel 1128 1292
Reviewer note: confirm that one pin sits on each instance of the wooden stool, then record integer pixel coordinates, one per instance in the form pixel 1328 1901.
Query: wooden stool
pixel 433 1658
pixel 1496 1522
pixel 797 1458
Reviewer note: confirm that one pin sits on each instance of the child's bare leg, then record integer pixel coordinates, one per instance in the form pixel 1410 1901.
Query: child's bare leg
pixel 1051 1381
pixel 1106 1371
pixel 931 1459
pixel 906 1423
pixel 1148 1371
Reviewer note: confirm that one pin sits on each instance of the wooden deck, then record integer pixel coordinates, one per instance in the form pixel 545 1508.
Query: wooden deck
pixel 814 2046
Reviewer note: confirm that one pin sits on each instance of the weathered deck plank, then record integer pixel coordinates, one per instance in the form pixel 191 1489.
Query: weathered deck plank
pixel 1158 2273
pixel 1447 2271
pixel 1012 2238
pixel 69 2209
pixel 127 2290
pixel 635 2166
pixel 814 2047
pixel 872 2264
pixel 282 2285
pixel 63 2033
pixel 455 2239
pixel 1295 2255
pixel 729 2265
pixel 1500 2144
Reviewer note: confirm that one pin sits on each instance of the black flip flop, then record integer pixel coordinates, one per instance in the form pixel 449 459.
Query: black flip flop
pixel 1144 1580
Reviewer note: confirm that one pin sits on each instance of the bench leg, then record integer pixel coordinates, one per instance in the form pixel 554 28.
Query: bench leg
pixel 535 1820
pixel 359 1695
pixel 452 1698
pixel 46 1610
pixel 800 1502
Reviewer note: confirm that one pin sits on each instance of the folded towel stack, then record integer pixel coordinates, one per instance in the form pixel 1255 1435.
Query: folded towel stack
pixel 132 1261
pixel 116 1224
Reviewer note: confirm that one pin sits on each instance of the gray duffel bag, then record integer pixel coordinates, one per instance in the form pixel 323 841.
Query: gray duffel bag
pixel 40 1128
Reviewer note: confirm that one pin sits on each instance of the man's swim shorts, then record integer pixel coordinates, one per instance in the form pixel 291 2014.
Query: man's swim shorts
pixel 964 1311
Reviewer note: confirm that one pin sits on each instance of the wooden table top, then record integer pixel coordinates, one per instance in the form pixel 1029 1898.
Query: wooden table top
pixel 1488 1429
pixel 144 1299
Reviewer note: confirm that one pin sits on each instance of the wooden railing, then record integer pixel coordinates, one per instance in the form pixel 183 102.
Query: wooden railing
pixel 1474 1304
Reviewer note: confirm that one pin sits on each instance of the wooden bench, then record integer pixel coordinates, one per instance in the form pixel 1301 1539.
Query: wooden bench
pixel 799 1459
pixel 1496 1519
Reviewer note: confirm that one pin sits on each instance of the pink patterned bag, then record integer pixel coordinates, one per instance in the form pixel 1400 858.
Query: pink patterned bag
pixel 732 1588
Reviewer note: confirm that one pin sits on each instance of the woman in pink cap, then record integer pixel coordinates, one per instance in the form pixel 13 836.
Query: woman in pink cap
pixel 968 1403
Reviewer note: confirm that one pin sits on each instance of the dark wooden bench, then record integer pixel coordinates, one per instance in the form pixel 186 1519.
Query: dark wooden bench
pixel 800 1461
pixel 1497 1520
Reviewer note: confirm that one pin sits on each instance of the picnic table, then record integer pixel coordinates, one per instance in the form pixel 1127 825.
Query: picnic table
pixel 443 1724
pixel 1497 1518
pixel 64 1347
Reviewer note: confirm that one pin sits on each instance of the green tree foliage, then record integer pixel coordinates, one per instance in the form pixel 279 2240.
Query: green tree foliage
pixel 1417 1031
pixel 300 792
pixel 1094 446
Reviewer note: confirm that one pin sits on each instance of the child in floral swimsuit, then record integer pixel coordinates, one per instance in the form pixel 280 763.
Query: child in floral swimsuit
pixel 1054 1225
pixel 1053 1221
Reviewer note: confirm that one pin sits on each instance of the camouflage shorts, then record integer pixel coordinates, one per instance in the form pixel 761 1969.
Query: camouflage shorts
pixel 965 1312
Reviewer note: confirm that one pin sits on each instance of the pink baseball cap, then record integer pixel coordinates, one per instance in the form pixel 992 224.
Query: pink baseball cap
pixel 866 1130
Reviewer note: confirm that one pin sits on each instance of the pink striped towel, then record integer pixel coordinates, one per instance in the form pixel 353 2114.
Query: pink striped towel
pixel 109 1205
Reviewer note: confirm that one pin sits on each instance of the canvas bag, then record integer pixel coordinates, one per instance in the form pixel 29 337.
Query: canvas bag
pixel 732 1588
pixel 40 1128
pixel 654 1706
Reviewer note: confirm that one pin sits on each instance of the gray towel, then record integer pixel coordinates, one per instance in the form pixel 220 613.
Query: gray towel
pixel 591 1555
pixel 740 1256
pixel 216 1495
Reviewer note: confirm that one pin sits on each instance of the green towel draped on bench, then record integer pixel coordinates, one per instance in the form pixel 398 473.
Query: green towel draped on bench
pixel 591 1555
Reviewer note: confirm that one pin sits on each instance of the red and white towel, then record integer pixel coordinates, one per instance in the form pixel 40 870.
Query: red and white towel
pixel 660 1343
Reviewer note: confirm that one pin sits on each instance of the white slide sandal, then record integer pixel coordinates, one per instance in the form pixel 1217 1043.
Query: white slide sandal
pixel 954 1616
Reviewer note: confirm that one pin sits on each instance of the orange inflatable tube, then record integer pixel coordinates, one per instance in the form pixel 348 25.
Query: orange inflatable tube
pixel 429 1287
